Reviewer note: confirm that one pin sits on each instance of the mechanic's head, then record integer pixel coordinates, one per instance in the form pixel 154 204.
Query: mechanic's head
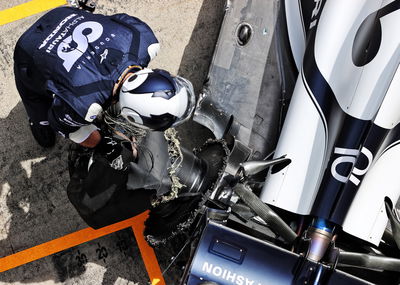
pixel 155 100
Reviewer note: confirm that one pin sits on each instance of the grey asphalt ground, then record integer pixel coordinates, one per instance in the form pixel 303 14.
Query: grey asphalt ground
pixel 34 207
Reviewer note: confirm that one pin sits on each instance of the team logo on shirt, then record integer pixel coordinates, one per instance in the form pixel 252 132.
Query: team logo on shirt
pixel 71 46
pixel 74 46
pixel 103 56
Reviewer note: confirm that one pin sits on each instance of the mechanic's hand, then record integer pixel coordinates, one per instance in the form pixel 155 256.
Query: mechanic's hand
pixel 134 147
pixel 109 147
pixel 115 152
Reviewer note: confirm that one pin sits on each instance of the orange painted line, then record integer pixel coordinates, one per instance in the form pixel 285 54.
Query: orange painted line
pixel 149 258
pixel 65 242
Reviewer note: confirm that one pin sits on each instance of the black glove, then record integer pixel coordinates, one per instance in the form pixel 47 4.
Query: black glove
pixel 115 151
pixel 109 147
pixel 78 159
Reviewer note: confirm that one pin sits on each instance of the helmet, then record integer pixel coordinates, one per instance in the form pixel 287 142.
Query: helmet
pixel 155 100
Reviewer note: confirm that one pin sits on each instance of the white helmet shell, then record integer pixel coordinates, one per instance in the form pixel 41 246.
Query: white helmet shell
pixel 153 99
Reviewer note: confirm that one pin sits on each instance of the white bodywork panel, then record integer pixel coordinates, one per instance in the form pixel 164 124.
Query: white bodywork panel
pixel 296 31
pixel 389 113
pixel 370 92
pixel 302 140
pixel 359 90
pixel 367 217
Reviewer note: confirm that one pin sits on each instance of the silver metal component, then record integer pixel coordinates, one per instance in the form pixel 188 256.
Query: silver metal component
pixel 259 220
pixel 319 243
pixel 208 114
pixel 254 167
pixel 266 213
pixel 239 153
pixel 394 219
pixel 239 99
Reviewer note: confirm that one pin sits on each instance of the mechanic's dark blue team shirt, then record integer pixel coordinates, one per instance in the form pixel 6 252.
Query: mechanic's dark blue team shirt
pixel 81 55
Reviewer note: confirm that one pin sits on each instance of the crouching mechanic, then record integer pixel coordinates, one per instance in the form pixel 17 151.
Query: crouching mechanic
pixel 71 66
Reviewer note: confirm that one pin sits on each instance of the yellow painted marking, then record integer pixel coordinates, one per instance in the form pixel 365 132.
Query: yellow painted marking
pixel 28 9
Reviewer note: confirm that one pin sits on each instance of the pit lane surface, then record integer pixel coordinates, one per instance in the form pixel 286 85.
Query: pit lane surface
pixel 34 207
